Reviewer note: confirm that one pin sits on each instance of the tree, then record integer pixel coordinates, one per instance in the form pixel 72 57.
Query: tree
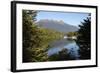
pixel 27 29
pixel 30 37
pixel 83 39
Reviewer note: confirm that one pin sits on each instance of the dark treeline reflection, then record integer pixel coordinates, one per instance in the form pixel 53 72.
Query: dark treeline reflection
pixel 61 56
pixel 36 40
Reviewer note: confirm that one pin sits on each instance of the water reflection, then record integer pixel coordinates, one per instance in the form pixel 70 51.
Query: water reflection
pixel 70 45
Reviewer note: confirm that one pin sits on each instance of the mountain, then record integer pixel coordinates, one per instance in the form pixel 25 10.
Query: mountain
pixel 60 26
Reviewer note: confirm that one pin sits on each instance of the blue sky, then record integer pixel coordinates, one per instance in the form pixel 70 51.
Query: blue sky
pixel 72 18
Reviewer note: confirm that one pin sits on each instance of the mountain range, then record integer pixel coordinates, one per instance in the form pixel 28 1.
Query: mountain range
pixel 60 25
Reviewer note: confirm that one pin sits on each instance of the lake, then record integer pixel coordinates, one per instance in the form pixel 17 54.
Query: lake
pixel 70 45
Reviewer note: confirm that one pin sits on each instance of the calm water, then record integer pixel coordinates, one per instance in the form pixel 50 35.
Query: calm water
pixel 70 45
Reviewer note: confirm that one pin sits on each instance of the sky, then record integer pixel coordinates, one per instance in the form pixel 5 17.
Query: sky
pixel 71 18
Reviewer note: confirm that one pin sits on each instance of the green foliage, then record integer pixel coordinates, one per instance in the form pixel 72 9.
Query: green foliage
pixel 35 39
pixel 71 34
pixel 27 29
pixel 84 37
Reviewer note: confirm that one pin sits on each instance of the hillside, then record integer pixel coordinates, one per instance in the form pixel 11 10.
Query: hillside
pixel 57 25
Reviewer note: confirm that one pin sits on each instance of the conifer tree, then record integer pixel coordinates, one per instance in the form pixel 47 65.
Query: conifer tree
pixel 84 39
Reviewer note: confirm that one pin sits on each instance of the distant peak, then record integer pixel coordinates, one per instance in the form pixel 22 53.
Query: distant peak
pixel 61 21
pixel 58 25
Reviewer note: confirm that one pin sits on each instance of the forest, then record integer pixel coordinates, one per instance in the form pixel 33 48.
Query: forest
pixel 36 40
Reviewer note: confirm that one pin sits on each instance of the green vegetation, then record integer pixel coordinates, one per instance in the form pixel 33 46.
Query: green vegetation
pixel 71 34
pixel 36 40
pixel 83 39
